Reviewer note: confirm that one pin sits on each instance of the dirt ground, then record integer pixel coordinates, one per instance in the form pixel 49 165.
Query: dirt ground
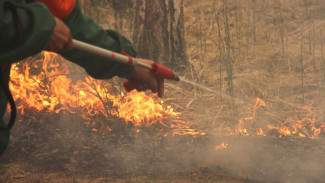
pixel 276 54
pixel 61 151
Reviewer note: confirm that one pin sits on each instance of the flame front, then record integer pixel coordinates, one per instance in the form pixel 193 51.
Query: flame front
pixel 221 146
pixel 44 85
pixel 303 127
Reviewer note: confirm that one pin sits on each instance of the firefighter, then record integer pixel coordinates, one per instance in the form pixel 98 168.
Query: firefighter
pixel 30 26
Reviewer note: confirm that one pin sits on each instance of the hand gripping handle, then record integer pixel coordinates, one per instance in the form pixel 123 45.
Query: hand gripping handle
pixel 129 85
pixel 159 71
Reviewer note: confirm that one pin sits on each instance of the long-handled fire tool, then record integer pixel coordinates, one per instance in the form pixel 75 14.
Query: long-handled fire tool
pixel 157 70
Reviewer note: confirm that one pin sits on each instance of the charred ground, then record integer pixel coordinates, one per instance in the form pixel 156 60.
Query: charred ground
pixel 276 55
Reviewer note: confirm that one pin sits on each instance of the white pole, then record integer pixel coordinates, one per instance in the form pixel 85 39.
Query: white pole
pixel 108 54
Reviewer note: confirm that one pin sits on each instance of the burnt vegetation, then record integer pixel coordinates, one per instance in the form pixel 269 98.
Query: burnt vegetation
pixel 264 123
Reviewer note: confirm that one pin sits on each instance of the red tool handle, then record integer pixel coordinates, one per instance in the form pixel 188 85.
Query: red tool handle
pixel 161 71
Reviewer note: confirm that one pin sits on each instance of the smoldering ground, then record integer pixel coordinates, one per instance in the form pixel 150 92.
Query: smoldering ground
pixel 278 53
pixel 63 143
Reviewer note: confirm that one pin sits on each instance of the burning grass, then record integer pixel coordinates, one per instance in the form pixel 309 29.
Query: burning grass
pixel 44 85
pixel 272 130
pixel 130 146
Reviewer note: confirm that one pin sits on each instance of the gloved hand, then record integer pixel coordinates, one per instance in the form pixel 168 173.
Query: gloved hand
pixel 143 80
pixel 61 39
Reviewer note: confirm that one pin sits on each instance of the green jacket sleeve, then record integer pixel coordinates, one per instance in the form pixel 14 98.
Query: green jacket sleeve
pixel 4 130
pixel 85 29
pixel 37 25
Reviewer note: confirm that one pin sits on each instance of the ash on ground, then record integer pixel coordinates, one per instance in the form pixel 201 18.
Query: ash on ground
pixel 63 143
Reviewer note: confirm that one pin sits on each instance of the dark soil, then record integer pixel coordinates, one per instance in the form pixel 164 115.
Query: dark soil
pixel 63 143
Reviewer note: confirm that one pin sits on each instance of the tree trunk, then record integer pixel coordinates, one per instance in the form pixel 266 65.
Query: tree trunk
pixel 90 8
pixel 121 6
pixel 159 32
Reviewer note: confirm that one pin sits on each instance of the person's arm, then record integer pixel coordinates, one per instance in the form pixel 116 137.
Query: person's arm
pixel 25 29
pixel 85 29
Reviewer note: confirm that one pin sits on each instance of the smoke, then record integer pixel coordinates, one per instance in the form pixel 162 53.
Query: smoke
pixel 273 160
pixel 266 159
pixel 263 159
pixel 64 143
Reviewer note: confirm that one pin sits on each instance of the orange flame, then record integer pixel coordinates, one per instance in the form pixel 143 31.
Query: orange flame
pixel 303 127
pixel 240 128
pixel 45 85
pixel 221 146
pixel 260 132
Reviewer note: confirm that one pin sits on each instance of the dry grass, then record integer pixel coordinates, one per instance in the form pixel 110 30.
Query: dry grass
pixel 274 48
pixel 275 51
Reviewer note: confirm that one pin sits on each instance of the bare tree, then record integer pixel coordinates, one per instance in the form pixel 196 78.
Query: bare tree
pixel 159 32
pixel 121 5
